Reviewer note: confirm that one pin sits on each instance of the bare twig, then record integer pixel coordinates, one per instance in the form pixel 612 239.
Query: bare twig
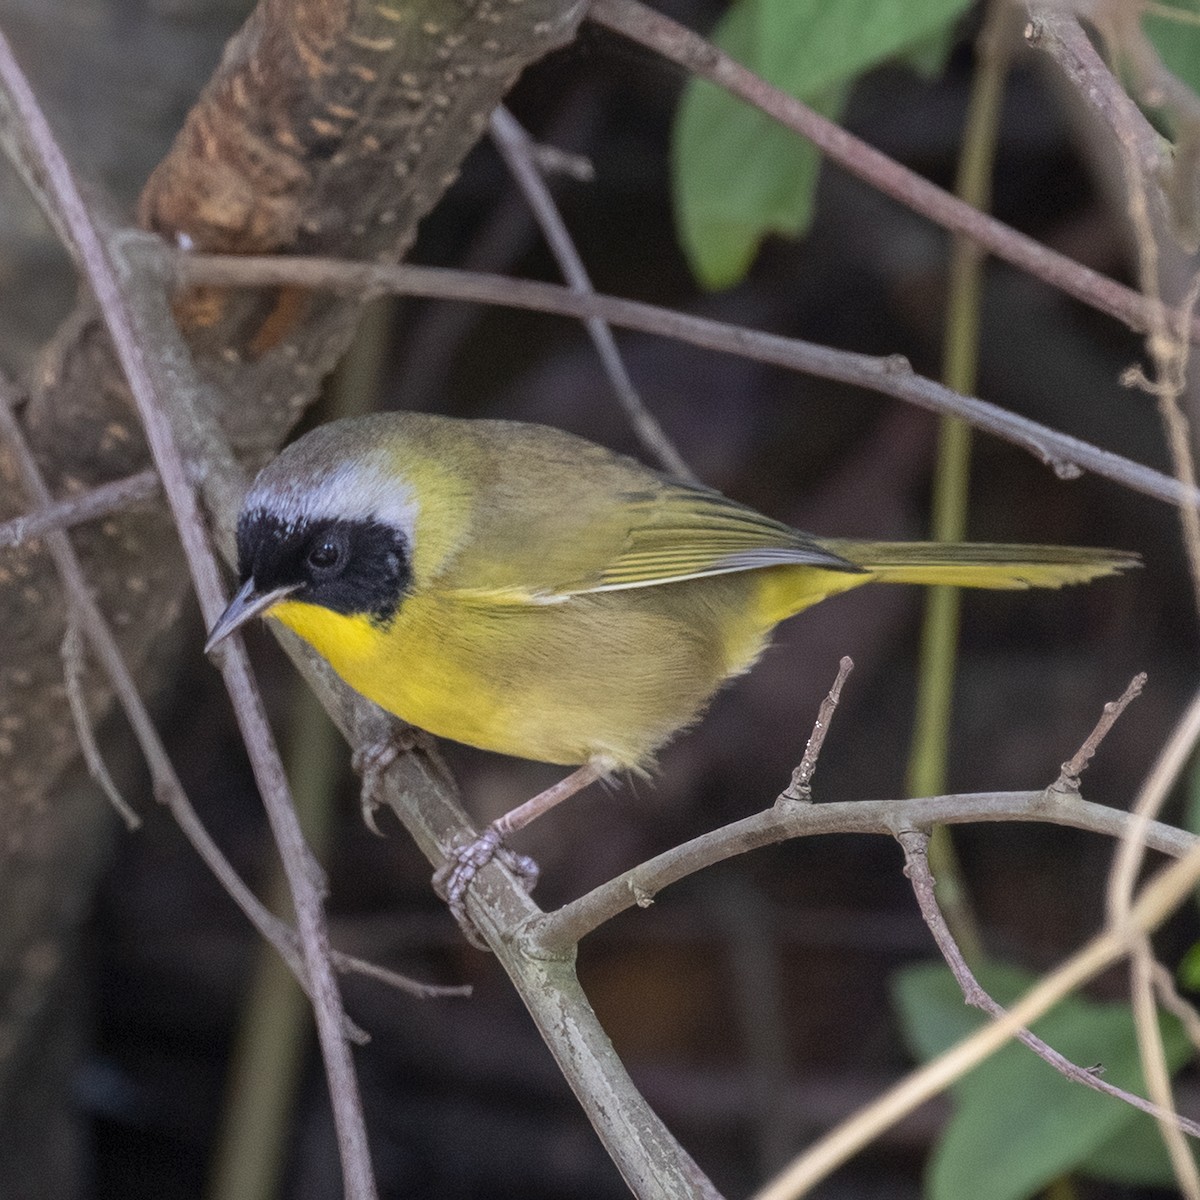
pixel 699 56
pixel 73 668
pixel 892 376
pixel 104 273
pixel 402 983
pixel 916 868
pixel 555 933
pixel 87 506
pixel 518 151
pixel 800 787
pixel 1068 780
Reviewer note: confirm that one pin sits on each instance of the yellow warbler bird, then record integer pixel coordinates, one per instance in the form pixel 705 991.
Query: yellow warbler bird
pixel 523 590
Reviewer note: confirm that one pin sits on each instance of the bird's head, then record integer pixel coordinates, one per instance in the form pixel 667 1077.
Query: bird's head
pixel 329 523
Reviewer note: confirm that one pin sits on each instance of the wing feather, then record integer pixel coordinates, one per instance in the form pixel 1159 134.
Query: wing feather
pixel 688 533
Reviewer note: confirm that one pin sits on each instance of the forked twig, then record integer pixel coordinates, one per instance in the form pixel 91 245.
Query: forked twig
pixel 916 867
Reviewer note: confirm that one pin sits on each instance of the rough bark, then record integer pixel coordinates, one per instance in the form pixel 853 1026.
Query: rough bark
pixel 330 127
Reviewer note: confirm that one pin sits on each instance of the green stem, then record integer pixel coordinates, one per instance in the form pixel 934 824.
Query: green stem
pixel 939 635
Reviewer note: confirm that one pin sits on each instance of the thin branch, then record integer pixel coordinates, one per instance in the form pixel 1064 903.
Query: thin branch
pixel 916 868
pixel 518 150
pixel 1068 780
pixel 891 376
pixel 87 506
pixel 800 788
pixel 1167 342
pixel 700 57
pixel 557 932
pixel 73 670
pixel 104 275
pixel 403 983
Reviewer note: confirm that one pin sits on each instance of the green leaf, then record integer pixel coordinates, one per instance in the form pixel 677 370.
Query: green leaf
pixel 1189 968
pixel 739 176
pixel 1177 42
pixel 928 57
pixel 1018 1124
pixel 807 46
pixel 1133 1156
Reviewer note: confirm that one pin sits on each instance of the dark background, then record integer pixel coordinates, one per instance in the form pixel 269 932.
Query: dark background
pixel 795 943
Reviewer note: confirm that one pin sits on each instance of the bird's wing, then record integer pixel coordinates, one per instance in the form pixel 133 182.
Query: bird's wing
pixel 659 534
pixel 685 533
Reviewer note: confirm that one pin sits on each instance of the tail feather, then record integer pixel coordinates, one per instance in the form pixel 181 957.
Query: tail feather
pixel 981 564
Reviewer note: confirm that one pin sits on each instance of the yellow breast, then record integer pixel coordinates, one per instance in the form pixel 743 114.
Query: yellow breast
pixel 612 674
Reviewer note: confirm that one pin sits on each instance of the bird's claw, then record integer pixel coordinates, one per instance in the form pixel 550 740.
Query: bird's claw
pixel 453 878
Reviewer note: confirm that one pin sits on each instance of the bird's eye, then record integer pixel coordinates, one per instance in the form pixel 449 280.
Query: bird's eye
pixel 328 553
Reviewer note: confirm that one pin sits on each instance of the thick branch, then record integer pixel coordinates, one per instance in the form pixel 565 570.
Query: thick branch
pixel 108 278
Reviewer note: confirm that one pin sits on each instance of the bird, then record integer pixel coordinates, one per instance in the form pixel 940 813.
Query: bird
pixel 526 591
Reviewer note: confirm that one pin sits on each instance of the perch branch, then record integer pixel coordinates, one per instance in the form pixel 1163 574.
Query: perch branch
pixel 555 933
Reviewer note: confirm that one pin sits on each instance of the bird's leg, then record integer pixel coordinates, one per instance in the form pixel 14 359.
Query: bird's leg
pixel 451 880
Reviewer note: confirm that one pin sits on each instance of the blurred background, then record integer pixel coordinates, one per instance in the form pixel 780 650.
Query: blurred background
pixel 751 1003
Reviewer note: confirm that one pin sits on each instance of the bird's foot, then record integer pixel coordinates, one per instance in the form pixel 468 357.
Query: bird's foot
pixel 452 879
pixel 370 762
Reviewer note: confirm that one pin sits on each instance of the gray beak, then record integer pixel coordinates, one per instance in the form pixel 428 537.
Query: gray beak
pixel 245 606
